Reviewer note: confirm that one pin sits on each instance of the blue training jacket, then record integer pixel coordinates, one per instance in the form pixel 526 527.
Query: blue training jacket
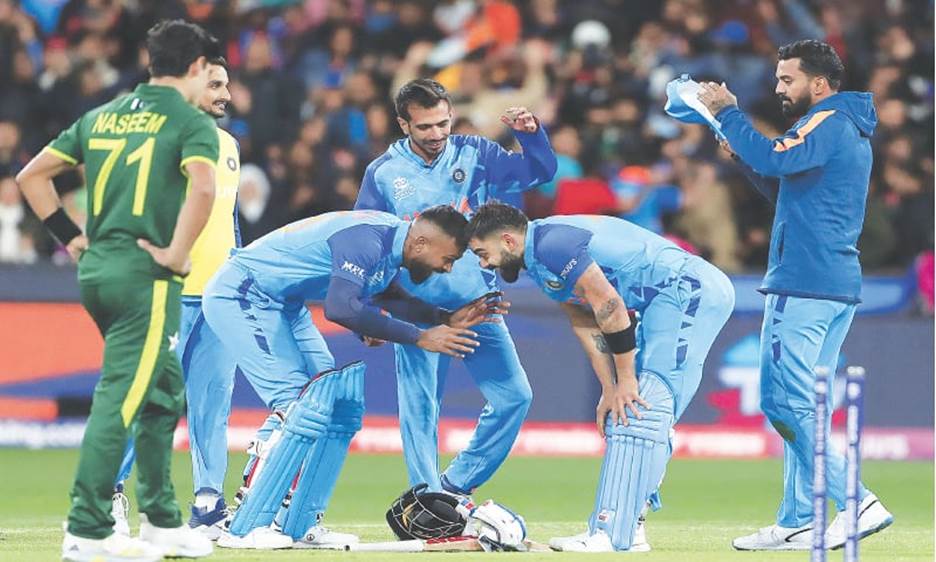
pixel 824 165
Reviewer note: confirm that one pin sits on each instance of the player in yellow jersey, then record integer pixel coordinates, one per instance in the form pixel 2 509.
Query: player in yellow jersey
pixel 208 370
pixel 149 159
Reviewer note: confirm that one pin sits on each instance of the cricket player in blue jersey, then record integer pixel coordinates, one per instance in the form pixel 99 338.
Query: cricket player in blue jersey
pixel 599 268
pixel 208 369
pixel 817 177
pixel 431 167
pixel 256 304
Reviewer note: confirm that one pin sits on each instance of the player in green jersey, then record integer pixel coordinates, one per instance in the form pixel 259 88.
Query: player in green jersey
pixel 149 160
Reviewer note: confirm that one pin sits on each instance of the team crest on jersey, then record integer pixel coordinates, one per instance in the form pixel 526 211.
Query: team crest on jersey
pixel 402 188
pixel 231 163
pixel 459 175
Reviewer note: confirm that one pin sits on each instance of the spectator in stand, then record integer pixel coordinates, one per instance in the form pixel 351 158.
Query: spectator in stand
pixel 321 73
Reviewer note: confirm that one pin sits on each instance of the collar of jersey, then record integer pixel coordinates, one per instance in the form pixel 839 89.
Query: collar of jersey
pixel 402 147
pixel 398 239
pixel 150 88
pixel 528 246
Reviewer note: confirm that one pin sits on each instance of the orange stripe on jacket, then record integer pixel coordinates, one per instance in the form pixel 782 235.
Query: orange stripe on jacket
pixel 800 138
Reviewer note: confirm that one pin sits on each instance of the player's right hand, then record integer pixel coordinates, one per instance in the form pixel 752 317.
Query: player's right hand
pixel 166 258
pixel 77 246
pixel 456 342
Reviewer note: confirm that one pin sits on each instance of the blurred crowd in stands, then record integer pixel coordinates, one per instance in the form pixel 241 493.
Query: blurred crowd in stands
pixel 313 80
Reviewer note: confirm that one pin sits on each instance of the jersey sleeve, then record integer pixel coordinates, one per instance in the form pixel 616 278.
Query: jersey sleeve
pixel 355 251
pixel 200 141
pixel 807 147
pixel 67 145
pixel 512 172
pixel 563 250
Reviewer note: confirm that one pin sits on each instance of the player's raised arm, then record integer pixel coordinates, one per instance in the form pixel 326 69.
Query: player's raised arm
pixel 805 148
pixel 519 171
pixel 612 319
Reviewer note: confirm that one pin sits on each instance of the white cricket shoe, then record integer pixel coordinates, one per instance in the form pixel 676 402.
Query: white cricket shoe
pixel 872 517
pixel 115 548
pixel 322 537
pixel 120 511
pixel 261 538
pixel 640 543
pixel 175 542
pixel 583 542
pixel 776 537
pixel 572 544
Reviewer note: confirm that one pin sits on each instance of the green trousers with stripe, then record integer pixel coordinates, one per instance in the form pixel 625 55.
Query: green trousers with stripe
pixel 141 390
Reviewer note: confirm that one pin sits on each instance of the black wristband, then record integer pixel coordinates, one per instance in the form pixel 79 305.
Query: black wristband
pixel 61 226
pixel 623 341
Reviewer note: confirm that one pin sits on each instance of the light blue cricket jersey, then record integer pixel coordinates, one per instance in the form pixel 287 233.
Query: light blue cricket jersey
pixel 469 172
pixel 295 263
pixel 637 262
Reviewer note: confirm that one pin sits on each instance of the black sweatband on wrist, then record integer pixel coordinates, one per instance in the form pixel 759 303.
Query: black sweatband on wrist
pixel 621 342
pixel 61 226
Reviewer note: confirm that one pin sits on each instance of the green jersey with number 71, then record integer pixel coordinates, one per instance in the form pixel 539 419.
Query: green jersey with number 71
pixel 134 149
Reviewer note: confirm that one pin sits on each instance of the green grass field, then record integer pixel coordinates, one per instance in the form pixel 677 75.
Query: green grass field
pixel 707 503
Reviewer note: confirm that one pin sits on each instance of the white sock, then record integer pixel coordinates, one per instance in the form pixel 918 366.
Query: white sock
pixel 207 500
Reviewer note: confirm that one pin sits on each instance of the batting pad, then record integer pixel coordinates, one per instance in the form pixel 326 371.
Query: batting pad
pixel 324 461
pixel 306 421
pixel 634 462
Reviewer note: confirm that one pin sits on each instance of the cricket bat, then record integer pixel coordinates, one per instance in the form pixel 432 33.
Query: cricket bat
pixel 451 544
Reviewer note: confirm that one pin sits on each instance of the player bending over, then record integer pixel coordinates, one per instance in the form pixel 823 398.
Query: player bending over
pixel 256 304
pixel 598 268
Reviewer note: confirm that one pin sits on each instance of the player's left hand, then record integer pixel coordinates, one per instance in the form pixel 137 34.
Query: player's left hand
pixel 625 396
pixel 520 119
pixel 166 258
pixel 485 308
pixel 716 97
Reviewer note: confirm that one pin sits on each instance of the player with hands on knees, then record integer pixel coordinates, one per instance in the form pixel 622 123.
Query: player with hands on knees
pixel 598 268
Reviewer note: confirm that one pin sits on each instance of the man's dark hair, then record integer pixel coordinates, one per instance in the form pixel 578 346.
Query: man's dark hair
pixel 817 58
pixel 423 92
pixel 495 216
pixel 173 45
pixel 218 61
pixel 449 221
